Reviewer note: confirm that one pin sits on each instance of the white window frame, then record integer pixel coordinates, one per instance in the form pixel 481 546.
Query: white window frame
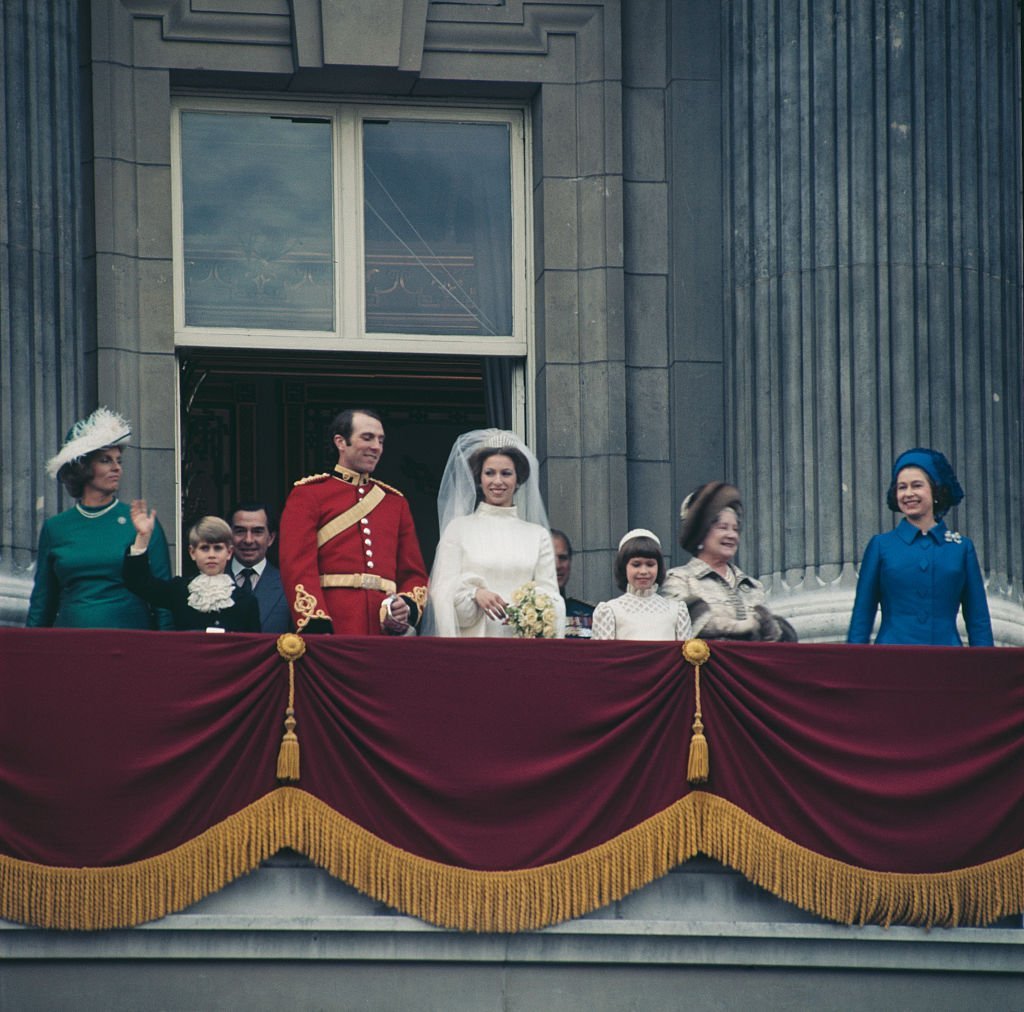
pixel 349 332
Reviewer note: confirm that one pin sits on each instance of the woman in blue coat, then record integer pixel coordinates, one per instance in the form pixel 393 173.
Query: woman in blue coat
pixel 921 572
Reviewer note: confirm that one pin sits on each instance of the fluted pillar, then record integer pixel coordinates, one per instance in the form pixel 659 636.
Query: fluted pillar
pixel 46 340
pixel 873 282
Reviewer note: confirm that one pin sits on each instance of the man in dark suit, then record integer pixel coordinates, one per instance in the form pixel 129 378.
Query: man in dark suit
pixel 253 529
pixel 579 615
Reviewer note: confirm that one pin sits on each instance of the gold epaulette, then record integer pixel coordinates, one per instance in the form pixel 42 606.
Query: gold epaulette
pixel 387 488
pixel 311 478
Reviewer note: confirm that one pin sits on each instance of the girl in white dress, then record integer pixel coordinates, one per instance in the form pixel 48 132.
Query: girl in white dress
pixel 640 614
pixel 494 539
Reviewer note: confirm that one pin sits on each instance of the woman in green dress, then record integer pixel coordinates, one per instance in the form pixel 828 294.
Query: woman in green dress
pixel 78 581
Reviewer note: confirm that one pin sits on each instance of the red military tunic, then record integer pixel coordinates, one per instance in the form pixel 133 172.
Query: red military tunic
pixel 347 542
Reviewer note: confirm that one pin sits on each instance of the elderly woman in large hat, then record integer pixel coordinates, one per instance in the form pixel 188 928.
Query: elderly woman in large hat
pixel 723 601
pixel 78 581
pixel 921 572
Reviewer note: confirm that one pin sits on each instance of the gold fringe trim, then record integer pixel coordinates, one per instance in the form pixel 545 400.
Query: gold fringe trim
pixel 966 897
pixel 87 899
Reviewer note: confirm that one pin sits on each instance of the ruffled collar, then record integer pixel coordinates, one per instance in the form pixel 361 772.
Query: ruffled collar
pixel 211 593
pixel 487 510
pixel 646 592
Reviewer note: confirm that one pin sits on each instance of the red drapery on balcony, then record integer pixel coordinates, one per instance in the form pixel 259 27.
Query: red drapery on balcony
pixel 503 786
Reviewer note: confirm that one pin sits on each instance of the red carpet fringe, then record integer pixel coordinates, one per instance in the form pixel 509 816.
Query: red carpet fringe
pixel 90 899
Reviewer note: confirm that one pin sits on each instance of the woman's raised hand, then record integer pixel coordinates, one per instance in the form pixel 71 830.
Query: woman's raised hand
pixel 144 520
pixel 491 604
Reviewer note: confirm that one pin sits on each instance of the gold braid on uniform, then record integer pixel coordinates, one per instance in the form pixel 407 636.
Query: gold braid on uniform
pixel 305 605
pixel 387 488
pixel 417 594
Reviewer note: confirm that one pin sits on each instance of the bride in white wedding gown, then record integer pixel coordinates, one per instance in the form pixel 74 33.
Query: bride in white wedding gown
pixel 494 539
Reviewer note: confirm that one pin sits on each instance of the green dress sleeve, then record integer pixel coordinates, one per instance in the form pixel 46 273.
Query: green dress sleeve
pixel 160 567
pixel 42 607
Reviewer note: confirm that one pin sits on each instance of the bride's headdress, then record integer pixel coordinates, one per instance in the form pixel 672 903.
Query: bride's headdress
pixel 458 494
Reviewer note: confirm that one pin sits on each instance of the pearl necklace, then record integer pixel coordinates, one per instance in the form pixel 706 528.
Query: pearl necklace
pixel 92 515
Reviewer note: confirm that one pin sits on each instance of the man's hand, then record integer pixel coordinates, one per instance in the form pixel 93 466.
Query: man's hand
pixel 396 616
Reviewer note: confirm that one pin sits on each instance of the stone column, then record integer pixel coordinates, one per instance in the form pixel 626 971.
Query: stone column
pixel 47 343
pixel 873 282
pixel 580 382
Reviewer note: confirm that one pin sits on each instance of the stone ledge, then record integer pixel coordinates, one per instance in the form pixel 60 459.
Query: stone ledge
pixel 291 910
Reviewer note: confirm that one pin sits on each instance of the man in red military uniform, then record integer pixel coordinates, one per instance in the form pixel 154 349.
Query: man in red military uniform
pixel 350 561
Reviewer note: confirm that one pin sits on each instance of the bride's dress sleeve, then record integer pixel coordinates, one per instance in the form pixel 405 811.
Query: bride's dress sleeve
pixel 467 611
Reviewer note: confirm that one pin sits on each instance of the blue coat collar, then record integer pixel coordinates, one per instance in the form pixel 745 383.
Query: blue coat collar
pixel 907 532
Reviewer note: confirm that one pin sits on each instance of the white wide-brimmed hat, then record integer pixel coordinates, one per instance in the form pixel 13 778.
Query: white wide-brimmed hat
pixel 102 428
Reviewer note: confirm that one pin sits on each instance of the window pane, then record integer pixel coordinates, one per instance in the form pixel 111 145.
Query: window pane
pixel 256 195
pixel 438 221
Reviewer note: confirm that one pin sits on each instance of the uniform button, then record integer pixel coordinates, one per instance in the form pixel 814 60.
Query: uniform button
pixel 369 553
pixel 369 565
pixel 366 530
pixel 367 541
pixel 363 521
pixel 924 565
pixel 362 489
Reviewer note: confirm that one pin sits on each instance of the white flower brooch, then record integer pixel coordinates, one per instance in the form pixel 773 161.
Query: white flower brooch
pixel 954 536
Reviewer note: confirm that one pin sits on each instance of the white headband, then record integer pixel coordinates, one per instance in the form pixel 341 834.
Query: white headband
pixel 640 532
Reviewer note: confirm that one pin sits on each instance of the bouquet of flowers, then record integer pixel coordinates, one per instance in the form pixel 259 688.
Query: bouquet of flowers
pixel 531 613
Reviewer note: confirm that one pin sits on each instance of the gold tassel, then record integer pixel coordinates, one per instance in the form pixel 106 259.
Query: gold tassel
pixel 288 754
pixel 697 764
pixel 697 652
pixel 291 647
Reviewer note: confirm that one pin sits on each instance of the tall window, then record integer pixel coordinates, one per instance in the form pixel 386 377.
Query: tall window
pixel 360 227
pixel 437 212
pixel 258 239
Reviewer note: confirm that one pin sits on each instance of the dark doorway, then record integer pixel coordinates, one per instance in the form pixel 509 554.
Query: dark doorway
pixel 255 422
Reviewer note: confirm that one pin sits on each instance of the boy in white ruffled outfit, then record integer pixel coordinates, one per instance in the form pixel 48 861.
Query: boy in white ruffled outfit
pixel 209 601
